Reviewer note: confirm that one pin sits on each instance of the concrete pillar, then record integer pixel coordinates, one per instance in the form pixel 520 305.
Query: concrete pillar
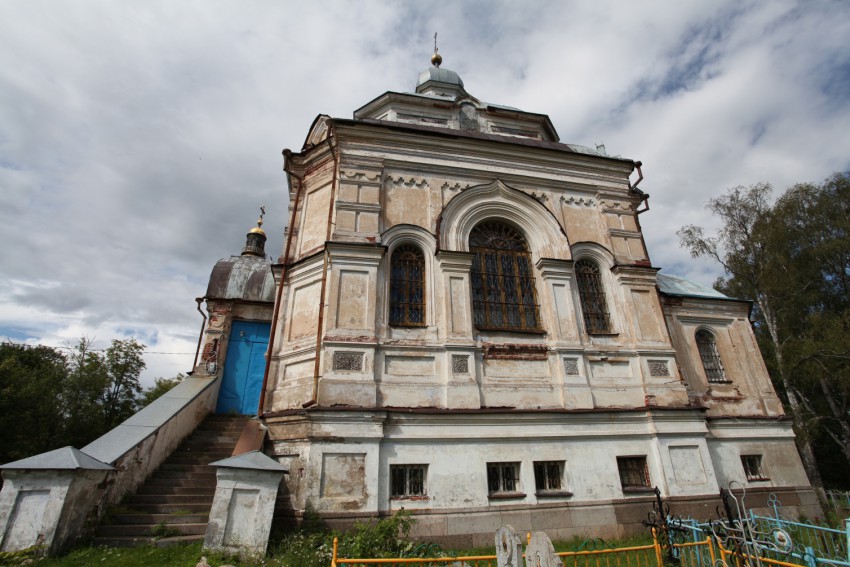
pixel 48 500
pixel 243 506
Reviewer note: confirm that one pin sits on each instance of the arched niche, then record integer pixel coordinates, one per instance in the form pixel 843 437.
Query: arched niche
pixel 497 201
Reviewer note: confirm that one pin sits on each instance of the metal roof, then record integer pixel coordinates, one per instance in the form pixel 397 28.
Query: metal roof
pixel 66 458
pixel 242 277
pixel 674 285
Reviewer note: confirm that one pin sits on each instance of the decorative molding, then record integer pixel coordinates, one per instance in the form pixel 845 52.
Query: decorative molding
pixel 406 181
pixel 348 361
pixel 361 176
pixel 580 201
pixel 455 186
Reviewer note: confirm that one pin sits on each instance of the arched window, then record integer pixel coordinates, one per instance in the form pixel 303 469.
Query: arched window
pixel 591 294
pixel 503 292
pixel 707 346
pixel 407 287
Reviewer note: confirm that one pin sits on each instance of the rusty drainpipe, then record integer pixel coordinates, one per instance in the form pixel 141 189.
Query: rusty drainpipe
pixel 316 367
pixel 198 300
pixel 644 196
pixel 287 156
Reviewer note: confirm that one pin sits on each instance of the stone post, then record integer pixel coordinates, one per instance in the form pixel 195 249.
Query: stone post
pixel 243 506
pixel 48 499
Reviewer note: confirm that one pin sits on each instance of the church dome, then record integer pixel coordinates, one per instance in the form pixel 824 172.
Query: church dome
pixel 247 277
pixel 439 75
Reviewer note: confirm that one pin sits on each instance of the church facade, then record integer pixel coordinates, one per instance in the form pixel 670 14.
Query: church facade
pixel 467 325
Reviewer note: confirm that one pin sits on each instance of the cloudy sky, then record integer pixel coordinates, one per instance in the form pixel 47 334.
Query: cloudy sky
pixel 137 139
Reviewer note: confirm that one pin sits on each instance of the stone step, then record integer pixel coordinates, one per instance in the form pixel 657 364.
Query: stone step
pixel 207 474
pixel 208 481
pixel 175 518
pixel 181 490
pixel 152 530
pixel 202 459
pixel 225 445
pixel 171 508
pixel 140 541
pixel 170 499
pixel 186 469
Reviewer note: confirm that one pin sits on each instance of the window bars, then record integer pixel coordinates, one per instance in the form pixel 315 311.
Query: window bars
pixel 407 480
pixel 711 362
pixel 591 292
pixel 504 296
pixel 407 287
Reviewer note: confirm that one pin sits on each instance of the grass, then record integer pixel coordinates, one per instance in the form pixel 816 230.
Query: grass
pixel 309 547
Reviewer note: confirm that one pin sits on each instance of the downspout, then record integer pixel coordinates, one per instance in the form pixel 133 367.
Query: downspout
pixel 644 196
pixel 645 199
pixel 287 162
pixel 319 329
pixel 198 300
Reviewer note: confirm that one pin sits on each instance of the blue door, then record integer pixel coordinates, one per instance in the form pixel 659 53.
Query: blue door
pixel 243 368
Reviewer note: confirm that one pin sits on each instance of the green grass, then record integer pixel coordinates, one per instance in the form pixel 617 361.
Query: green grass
pixel 309 547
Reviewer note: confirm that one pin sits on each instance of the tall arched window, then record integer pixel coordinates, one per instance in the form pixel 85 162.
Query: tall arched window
pixel 503 292
pixel 707 346
pixel 591 294
pixel 407 287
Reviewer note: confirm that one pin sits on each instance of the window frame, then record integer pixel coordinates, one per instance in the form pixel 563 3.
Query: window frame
pixel 544 475
pixel 496 470
pixel 599 297
pixel 712 356
pixel 492 286
pixel 407 284
pixel 753 474
pixel 409 494
pixel 642 469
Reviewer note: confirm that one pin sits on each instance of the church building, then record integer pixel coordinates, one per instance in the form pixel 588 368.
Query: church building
pixel 465 323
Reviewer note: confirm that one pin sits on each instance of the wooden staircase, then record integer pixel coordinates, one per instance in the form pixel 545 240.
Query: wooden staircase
pixel 173 505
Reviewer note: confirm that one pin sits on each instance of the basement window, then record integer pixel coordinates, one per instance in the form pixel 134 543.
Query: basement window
pixel 503 480
pixel 634 474
pixel 408 481
pixel 752 467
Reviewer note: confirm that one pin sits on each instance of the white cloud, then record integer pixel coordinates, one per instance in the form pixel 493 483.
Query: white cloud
pixel 138 140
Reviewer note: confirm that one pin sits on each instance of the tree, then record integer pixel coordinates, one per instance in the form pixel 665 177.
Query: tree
pixel 123 364
pixel 160 387
pixel 31 380
pixel 792 259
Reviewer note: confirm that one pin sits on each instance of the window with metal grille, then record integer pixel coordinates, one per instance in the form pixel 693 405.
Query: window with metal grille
pixel 504 296
pixel 407 480
pixel 407 287
pixel 711 362
pixel 547 475
pixel 752 467
pixel 634 473
pixel 591 292
pixel 502 478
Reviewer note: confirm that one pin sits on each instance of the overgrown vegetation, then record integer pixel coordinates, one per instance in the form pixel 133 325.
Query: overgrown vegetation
pixel 310 546
pixel 792 259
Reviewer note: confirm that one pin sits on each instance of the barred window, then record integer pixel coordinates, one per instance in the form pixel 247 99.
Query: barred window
pixel 407 480
pixel 752 467
pixel 407 287
pixel 591 293
pixel 634 473
pixel 547 475
pixel 503 292
pixel 711 362
pixel 502 478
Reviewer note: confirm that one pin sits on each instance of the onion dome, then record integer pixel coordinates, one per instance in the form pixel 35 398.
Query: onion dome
pixel 247 277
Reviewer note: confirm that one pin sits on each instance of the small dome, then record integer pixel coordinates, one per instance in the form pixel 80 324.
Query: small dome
pixel 438 75
pixel 244 277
